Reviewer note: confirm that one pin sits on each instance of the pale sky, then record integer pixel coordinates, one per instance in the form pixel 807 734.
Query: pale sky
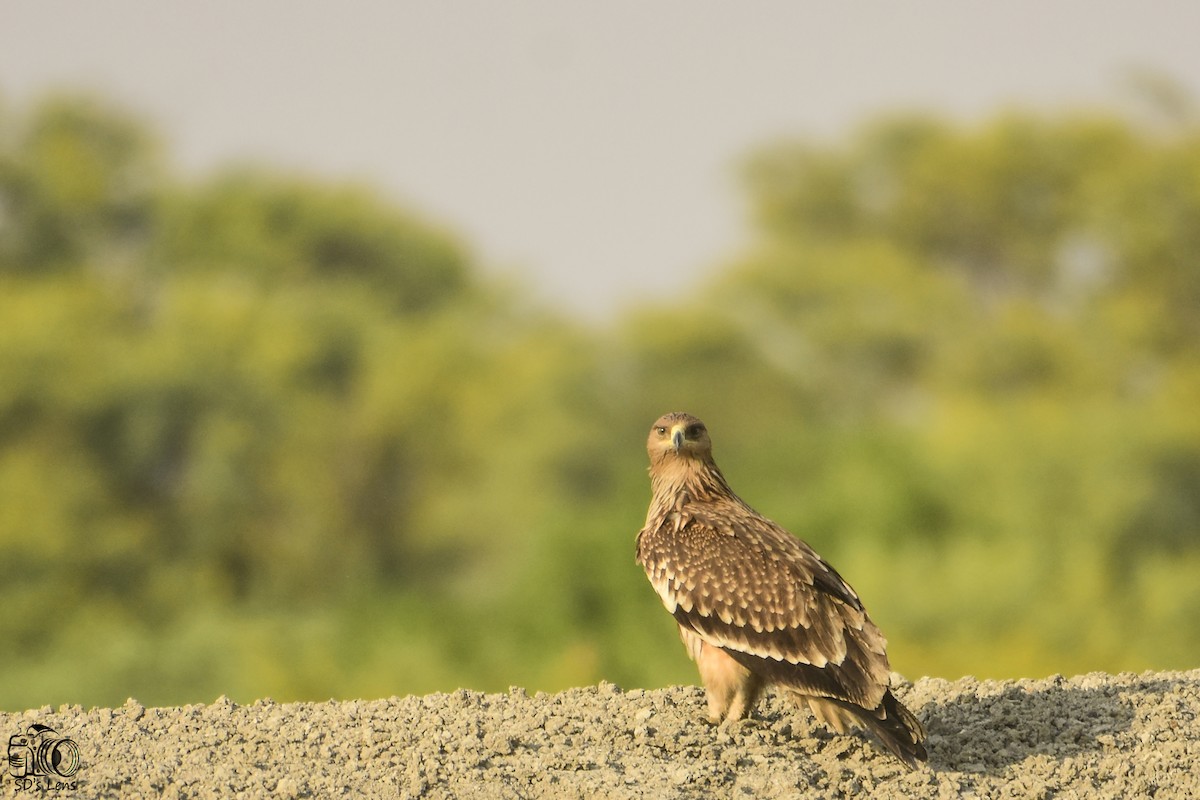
pixel 588 148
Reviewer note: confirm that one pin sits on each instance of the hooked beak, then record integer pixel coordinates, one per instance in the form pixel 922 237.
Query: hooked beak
pixel 677 438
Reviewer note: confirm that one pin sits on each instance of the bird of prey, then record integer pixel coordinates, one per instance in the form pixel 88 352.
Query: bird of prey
pixel 755 605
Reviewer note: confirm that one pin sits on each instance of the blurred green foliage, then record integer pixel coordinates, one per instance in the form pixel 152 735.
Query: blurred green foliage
pixel 267 435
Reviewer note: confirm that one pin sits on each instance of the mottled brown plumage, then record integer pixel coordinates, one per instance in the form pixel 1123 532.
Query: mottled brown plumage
pixel 755 605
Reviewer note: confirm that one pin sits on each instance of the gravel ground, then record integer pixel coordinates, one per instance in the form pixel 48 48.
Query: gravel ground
pixel 1091 736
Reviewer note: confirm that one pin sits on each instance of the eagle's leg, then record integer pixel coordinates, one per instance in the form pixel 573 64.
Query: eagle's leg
pixel 732 690
pixel 826 711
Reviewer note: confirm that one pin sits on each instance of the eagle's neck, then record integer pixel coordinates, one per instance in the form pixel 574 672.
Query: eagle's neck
pixel 676 482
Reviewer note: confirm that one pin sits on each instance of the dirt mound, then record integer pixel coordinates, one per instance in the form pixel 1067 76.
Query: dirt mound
pixel 1090 736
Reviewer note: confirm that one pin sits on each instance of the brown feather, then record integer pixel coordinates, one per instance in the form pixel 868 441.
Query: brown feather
pixel 740 585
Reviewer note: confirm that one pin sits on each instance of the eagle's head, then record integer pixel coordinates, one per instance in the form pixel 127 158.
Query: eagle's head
pixel 678 436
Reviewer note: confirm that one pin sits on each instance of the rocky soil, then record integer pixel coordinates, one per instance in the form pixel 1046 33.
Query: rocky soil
pixel 1090 736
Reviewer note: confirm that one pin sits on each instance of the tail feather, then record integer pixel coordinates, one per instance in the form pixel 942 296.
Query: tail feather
pixel 894 725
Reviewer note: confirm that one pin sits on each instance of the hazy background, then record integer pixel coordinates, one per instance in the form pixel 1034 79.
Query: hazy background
pixel 329 336
pixel 588 149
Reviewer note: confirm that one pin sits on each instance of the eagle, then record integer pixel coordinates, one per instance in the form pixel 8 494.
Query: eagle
pixel 757 606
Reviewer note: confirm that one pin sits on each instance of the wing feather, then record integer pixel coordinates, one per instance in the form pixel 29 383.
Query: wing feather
pixel 744 584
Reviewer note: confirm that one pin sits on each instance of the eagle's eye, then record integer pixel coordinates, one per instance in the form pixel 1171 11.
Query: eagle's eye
pixel 660 430
pixel 694 431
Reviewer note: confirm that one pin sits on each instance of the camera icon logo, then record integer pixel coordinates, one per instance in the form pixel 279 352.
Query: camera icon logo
pixel 41 752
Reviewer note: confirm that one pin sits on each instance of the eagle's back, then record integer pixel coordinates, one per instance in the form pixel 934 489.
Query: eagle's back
pixel 743 583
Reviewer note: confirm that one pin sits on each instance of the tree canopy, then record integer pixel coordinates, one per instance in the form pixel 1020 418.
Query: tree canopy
pixel 268 434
